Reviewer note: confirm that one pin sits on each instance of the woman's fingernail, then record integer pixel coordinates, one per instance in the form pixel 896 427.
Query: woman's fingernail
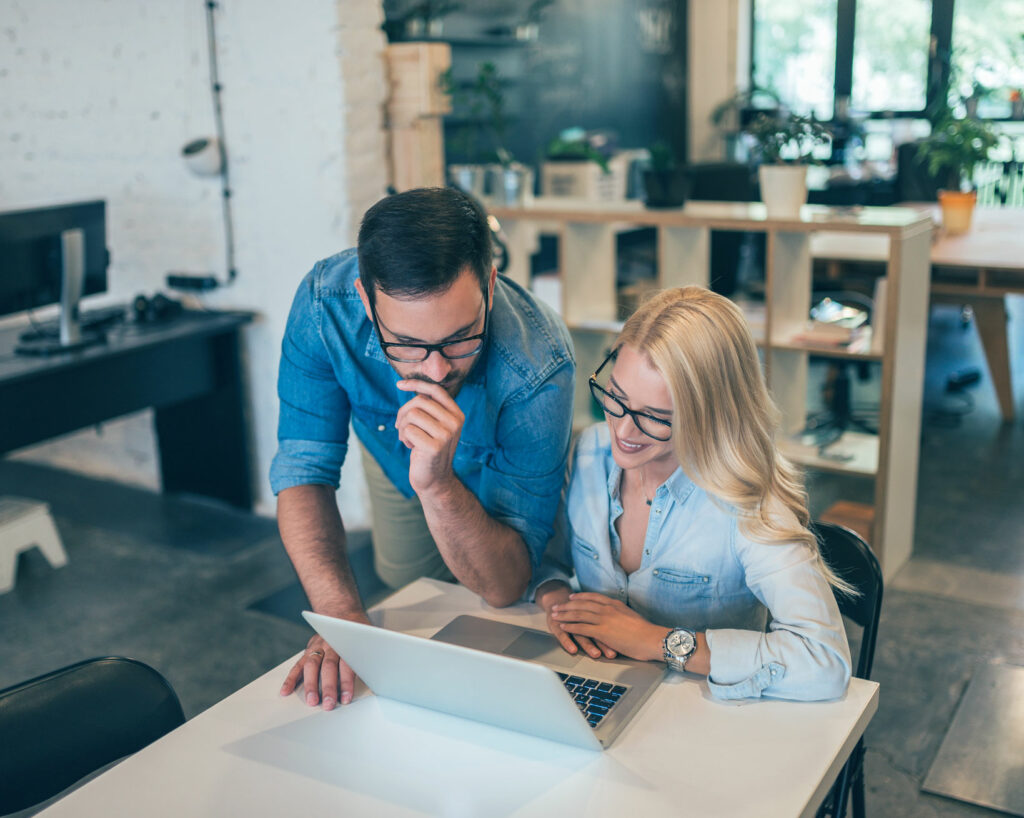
pixel 346 698
pixel 311 699
pixel 329 703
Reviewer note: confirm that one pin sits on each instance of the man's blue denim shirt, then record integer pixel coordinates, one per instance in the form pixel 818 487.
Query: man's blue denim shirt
pixel 517 401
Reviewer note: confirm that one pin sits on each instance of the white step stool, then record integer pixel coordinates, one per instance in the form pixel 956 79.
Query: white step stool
pixel 24 524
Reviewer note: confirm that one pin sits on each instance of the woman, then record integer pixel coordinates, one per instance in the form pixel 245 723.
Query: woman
pixel 687 527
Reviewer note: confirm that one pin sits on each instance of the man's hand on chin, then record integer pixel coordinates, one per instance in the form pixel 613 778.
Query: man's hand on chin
pixel 430 424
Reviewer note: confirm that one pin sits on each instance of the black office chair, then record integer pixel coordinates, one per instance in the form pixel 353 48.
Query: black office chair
pixel 59 727
pixel 852 559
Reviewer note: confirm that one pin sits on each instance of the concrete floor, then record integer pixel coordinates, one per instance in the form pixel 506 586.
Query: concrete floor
pixel 207 595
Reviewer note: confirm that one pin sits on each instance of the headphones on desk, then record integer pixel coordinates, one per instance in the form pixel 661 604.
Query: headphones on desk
pixel 156 308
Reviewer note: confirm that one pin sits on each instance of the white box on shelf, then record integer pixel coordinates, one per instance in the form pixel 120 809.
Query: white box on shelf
pixel 585 180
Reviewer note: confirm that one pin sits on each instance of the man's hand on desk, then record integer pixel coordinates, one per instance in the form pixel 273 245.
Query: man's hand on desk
pixel 323 673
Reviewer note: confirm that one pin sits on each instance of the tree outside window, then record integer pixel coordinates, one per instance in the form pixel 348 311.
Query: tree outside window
pixel 811 53
pixel 890 55
pixel 988 55
pixel 794 47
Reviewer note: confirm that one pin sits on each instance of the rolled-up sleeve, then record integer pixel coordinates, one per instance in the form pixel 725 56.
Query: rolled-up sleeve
pixel 523 484
pixel 804 655
pixel 312 428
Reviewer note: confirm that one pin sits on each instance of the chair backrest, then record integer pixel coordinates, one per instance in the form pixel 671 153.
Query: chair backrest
pixel 852 559
pixel 61 726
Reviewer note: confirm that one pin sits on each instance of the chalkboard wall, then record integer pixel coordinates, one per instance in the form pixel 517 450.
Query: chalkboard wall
pixel 611 65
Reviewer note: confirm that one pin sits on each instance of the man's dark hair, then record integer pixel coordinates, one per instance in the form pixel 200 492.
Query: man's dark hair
pixel 421 240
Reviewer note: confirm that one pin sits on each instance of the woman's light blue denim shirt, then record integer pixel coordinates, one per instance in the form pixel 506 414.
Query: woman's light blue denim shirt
pixel 698 571
pixel 517 401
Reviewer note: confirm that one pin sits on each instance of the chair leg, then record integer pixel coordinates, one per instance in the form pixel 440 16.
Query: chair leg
pixel 858 794
pixel 8 567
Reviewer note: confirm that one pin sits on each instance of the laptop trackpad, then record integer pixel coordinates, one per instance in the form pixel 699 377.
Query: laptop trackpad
pixel 535 646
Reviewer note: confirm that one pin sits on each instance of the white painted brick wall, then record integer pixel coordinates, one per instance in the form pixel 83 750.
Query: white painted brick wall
pixel 98 96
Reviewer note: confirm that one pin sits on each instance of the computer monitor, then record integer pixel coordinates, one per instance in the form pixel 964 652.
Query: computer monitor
pixel 53 255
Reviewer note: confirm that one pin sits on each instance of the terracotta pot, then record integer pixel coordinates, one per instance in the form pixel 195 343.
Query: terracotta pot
pixel 783 189
pixel 957 210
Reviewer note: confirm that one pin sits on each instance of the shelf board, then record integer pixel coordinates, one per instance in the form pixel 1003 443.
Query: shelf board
pixel 827 350
pixel 894 221
pixel 859 447
pixel 481 41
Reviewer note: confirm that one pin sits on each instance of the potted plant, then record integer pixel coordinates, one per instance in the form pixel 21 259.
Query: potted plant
pixel 665 181
pixel 579 164
pixel 952 151
pixel 730 116
pixel 482 105
pixel 783 143
pixel 1017 104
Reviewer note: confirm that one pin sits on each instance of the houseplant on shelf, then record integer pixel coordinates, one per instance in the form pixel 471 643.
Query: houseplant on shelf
pixel 665 179
pixel 783 144
pixel 480 105
pixel 952 151
pixel 579 164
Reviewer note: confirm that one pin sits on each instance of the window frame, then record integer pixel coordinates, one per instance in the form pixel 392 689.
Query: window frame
pixel 939 57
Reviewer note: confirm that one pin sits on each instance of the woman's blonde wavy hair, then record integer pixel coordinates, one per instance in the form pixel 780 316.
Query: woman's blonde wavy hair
pixel 724 421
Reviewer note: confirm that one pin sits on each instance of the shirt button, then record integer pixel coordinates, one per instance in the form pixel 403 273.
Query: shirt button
pixel 655 572
pixel 595 556
pixel 657 511
pixel 706 579
pixel 381 428
pixel 647 551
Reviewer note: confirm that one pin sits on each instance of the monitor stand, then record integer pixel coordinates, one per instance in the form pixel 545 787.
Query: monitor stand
pixel 70 336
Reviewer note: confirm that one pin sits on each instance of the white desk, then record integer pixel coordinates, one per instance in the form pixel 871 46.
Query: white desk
pixel 257 754
pixel 979 268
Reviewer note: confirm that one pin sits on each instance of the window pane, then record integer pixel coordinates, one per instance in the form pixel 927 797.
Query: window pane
pixel 988 54
pixel 890 55
pixel 795 52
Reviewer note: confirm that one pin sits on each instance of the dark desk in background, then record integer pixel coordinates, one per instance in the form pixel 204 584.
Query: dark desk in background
pixel 186 368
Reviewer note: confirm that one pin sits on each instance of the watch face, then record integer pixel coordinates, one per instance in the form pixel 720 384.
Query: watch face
pixel 681 643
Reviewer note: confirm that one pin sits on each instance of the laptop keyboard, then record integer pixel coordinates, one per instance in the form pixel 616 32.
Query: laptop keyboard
pixel 594 698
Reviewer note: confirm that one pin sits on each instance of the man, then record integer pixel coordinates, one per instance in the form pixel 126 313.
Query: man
pixel 459 386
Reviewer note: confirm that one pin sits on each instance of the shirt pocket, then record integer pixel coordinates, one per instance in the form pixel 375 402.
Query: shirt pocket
pixel 679 584
pixel 587 561
pixel 379 426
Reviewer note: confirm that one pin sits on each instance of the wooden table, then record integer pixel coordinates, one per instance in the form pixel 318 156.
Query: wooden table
pixel 980 268
pixel 257 754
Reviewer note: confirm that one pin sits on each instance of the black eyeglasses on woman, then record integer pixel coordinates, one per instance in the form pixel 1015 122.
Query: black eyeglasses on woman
pixel 654 427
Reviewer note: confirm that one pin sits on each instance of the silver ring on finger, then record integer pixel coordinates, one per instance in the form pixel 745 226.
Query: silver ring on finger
pixel 319 653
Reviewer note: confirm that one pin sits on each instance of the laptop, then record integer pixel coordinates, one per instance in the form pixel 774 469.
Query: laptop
pixel 506 675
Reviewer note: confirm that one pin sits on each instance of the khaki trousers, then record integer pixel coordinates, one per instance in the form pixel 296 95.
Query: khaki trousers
pixel 403 548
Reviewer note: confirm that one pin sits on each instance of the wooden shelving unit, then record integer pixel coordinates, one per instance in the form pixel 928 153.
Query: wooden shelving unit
pixel 586 232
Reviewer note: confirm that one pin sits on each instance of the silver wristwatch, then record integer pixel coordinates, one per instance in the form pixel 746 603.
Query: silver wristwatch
pixel 678 646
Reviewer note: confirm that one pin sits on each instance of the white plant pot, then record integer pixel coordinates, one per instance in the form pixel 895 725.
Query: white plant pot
pixel 471 179
pixel 511 186
pixel 783 189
